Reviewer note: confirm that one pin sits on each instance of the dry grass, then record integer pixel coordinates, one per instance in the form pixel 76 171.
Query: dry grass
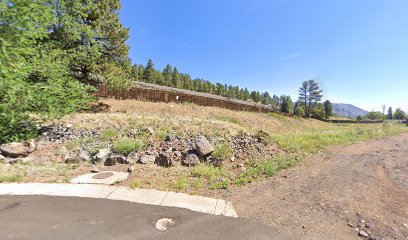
pixel 187 118
pixel 296 136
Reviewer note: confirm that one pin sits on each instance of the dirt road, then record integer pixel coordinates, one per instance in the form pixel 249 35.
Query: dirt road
pixel 362 186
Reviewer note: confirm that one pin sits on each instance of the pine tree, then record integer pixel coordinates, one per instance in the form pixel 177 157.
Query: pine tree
pixel 135 72
pixel 148 73
pixel 328 109
pixel 168 75
pixel 141 73
pixel 286 105
pixel 310 94
pixel 176 81
pixel 389 115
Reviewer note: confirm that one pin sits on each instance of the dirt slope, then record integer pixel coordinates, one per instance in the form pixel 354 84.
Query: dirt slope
pixel 361 186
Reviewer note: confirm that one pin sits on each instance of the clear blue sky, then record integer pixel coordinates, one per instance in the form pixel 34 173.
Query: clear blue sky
pixel 356 49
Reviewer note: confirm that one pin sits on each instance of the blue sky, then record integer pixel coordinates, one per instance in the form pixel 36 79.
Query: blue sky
pixel 356 49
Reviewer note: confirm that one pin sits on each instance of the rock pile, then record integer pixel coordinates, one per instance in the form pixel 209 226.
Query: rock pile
pixel 62 133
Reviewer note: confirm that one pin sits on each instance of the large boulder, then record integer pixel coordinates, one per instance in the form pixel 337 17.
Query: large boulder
pixel 191 159
pixel 18 149
pixel 147 159
pixel 203 146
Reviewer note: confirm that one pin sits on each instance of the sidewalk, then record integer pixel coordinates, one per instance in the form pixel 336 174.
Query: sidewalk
pixel 144 196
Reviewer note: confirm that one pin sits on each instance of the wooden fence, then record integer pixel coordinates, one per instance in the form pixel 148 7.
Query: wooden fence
pixel 156 93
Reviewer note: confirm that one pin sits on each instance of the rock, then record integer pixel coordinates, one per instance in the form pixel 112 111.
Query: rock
pixel 150 130
pixel 203 146
pixel 103 154
pixel 163 160
pixel 69 125
pixel 405 225
pixel 232 159
pixel 3 159
pixel 350 224
pixel 170 138
pixel 242 169
pixel 131 169
pixel 133 157
pixel 164 223
pixel 16 149
pixel 191 159
pixel 95 170
pixel 72 157
pixel 84 155
pixel 263 133
pixel 177 154
pixel 147 159
pixel 216 162
pixel 114 159
pixel 363 234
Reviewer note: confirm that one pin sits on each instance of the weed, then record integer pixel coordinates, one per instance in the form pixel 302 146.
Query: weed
pixel 230 119
pixel 135 184
pixel 197 184
pixel 181 183
pixel 161 135
pixel 10 177
pixel 126 145
pixel 223 151
pixel 109 134
pixel 208 172
pixel 223 184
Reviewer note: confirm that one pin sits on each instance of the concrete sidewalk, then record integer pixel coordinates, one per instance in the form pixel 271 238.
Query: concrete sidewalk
pixel 144 196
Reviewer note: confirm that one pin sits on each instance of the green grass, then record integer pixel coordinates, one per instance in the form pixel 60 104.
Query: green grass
pixel 109 134
pixel 10 177
pixel 181 183
pixel 208 172
pixel 161 135
pixel 223 151
pixel 230 119
pixel 135 184
pixel 127 145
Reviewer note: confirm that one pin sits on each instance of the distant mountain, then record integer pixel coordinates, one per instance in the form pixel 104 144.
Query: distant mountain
pixel 348 110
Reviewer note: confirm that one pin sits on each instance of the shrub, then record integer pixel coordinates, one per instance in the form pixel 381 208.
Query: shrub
pixel 127 145
pixel 111 133
pixel 181 183
pixel 135 184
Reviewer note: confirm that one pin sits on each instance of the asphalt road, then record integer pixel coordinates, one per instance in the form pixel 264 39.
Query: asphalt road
pixel 68 218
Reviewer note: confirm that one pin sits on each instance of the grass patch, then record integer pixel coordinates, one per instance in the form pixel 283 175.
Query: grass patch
pixel 181 183
pixel 230 119
pixel 127 145
pixel 161 135
pixel 208 172
pixel 109 134
pixel 223 151
pixel 10 177
pixel 135 184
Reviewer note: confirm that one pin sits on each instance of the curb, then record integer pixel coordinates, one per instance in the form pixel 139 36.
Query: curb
pixel 145 196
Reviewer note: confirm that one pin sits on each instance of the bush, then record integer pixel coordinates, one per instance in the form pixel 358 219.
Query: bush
pixel 127 145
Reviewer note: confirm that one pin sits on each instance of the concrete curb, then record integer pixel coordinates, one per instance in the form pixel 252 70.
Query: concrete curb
pixel 145 196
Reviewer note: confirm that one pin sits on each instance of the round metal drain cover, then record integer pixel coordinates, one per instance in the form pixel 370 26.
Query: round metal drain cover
pixel 102 175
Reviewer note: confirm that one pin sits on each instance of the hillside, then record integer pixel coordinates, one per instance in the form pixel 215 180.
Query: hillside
pixel 348 110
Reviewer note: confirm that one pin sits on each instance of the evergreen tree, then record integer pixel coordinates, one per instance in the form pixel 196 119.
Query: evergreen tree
pixel 328 109
pixel 310 94
pixel 275 103
pixel 148 72
pixel 135 72
pixel 141 76
pixel 389 115
pixel 168 75
pixel 176 81
pixel 286 105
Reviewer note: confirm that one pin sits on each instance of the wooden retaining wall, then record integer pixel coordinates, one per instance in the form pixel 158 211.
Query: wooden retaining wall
pixel 353 121
pixel 156 93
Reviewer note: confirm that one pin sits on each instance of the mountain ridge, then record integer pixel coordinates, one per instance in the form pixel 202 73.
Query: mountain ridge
pixel 348 110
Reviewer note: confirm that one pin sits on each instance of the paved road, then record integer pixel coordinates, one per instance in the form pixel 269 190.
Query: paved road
pixel 68 218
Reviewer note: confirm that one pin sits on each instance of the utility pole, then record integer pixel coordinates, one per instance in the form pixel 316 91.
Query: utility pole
pixel 383 107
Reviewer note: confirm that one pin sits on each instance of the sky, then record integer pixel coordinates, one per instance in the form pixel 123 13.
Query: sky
pixel 356 49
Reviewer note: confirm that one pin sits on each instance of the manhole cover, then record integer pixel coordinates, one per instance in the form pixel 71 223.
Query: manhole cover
pixel 102 175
